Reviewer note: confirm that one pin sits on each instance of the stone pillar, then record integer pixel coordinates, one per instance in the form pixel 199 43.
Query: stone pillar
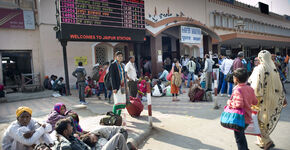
pixel 1 69
pixel 155 45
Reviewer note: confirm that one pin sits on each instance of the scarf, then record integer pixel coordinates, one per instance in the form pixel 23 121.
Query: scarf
pixel 265 80
pixel 58 106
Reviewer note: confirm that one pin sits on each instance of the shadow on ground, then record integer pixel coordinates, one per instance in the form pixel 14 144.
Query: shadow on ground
pixel 178 140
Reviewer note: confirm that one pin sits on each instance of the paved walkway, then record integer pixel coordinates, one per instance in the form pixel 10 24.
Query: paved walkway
pixel 185 125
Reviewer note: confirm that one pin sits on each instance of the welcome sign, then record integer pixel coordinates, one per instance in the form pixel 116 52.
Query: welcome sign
pixel 190 35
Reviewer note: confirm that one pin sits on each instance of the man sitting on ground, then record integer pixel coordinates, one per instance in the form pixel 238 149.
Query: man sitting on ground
pixel 108 138
pixel 65 138
pixel 164 74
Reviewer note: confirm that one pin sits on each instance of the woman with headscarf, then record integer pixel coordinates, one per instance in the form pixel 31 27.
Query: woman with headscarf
pixel 270 94
pixel 59 112
pixel 25 132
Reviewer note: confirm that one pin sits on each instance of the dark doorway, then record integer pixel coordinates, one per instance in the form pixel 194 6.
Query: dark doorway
pixel 15 63
pixel 166 48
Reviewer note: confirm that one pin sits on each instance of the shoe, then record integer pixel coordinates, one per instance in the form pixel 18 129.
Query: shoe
pixel 269 145
pixel 259 145
pixel 131 146
pixel 83 103
pixel 229 95
pixel 222 95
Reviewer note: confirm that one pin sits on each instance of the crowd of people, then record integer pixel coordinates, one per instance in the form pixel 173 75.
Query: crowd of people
pixel 263 91
pixel 260 91
pixel 61 131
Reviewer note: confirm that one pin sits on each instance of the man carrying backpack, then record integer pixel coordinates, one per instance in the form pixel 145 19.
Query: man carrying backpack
pixel 80 74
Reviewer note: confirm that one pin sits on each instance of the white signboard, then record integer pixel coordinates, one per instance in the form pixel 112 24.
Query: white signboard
pixel 159 58
pixel 28 19
pixel 190 35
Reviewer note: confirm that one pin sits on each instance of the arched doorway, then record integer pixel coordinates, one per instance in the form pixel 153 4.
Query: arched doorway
pixel 164 36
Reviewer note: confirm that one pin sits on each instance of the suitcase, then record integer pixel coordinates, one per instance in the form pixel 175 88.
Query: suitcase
pixel 135 107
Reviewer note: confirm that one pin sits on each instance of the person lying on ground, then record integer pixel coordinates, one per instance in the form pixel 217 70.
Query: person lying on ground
pixel 108 138
pixel 65 139
pixel 25 133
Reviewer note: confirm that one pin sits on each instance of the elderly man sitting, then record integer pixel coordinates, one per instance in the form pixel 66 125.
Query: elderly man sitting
pixel 25 133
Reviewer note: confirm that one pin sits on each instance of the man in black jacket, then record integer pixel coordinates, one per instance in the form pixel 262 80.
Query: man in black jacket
pixel 118 80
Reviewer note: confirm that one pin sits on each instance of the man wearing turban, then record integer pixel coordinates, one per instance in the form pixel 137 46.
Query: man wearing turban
pixel 25 132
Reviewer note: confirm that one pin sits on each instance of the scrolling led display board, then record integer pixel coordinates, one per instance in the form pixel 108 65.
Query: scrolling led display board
pixel 101 20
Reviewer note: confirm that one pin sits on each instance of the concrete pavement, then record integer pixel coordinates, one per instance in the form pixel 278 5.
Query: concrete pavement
pixel 185 125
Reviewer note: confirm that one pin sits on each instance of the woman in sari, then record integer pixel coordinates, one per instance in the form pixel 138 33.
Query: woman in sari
pixel 271 96
pixel 176 80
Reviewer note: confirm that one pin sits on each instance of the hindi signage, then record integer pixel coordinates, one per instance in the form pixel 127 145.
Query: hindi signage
pixel 102 20
pixel 190 35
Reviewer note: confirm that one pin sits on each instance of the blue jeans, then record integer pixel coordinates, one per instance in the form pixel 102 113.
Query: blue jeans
pixel 221 80
pixel 224 87
pixel 190 76
pixel 102 88
pixel 282 75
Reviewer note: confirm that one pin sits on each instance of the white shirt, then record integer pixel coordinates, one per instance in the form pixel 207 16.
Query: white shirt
pixel 226 66
pixel 191 66
pixel 185 61
pixel 13 137
pixel 131 71
pixel 51 82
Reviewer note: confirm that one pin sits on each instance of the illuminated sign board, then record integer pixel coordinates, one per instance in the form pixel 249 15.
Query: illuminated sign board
pixel 101 20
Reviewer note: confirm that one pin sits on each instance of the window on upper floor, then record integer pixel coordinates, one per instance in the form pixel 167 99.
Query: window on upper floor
pixel 250 26
pixel 235 23
pixel 217 20
pixel 246 27
pixel 211 19
pixel 225 21
pixel 230 22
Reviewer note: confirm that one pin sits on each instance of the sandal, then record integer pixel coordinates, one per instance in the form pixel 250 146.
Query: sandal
pixel 262 147
pixel 269 145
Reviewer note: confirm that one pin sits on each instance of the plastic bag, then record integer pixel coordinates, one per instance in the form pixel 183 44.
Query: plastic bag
pixel 253 128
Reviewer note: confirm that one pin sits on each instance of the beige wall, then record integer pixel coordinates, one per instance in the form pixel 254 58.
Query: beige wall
pixel 53 54
pixel 190 8
pixel 211 6
pixel 19 39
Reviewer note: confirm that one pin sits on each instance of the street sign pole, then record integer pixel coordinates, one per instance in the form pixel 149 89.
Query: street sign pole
pixel 64 44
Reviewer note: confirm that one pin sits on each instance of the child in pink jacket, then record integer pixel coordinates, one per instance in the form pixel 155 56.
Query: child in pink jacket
pixel 243 97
